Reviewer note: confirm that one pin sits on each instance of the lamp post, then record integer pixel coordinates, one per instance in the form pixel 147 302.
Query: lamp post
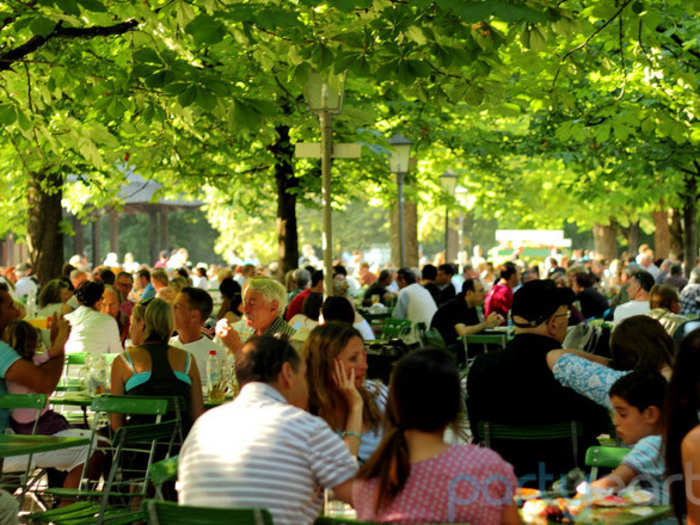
pixel 448 181
pixel 324 94
pixel 399 163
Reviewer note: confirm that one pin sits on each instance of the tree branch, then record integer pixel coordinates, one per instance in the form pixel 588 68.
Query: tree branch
pixel 678 40
pixel 37 41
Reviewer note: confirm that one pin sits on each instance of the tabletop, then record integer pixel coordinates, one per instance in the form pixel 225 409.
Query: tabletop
pixel 20 444
pixel 629 515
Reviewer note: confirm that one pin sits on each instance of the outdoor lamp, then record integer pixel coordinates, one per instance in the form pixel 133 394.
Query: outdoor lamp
pixel 448 181
pixel 400 153
pixel 324 92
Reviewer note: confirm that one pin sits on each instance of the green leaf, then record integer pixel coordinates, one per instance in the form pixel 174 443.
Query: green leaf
pixel 205 98
pixel 206 30
pixel 68 6
pixel 42 26
pixel 23 121
pixel 416 34
pixel 7 114
pixel 93 5
pixel 147 56
pixel 188 96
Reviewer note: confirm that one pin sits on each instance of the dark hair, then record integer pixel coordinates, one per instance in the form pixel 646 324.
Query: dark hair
pixel 338 309
pixel 107 276
pixel 584 280
pixel 202 271
pixel 640 343
pixel 67 269
pixel 681 415
pixel 386 274
pixel 407 275
pixel 183 273
pixel 428 409
pixel 231 291
pixel 4 287
pixel 467 286
pixel 316 277
pixel 126 274
pixel 506 270
pixel 645 279
pixel 663 296
pixel 51 292
pixel 641 389
pixel 262 357
pixel 428 272
pixel 89 292
pixel 22 337
pixel 447 268
pixel 143 272
pixel 311 307
pixel 199 300
pixel 676 269
pixel 339 269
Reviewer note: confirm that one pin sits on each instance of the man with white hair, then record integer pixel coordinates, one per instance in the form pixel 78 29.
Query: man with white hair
pixel 264 301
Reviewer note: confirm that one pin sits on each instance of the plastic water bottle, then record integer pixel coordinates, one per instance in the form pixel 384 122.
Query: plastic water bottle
pixel 31 305
pixel 213 372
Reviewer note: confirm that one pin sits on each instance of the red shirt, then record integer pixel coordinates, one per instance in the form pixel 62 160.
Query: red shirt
pixel 295 306
pixel 499 299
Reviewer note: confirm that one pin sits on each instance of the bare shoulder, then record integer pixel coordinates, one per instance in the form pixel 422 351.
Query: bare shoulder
pixel 691 441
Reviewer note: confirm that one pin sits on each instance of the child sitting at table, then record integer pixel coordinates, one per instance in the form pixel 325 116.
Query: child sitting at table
pixel 637 399
pixel 24 338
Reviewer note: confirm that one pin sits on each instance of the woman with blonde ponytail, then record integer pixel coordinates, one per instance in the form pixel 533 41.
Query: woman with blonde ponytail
pixel 414 476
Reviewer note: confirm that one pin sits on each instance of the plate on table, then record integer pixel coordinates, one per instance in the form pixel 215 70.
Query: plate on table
pixel 626 498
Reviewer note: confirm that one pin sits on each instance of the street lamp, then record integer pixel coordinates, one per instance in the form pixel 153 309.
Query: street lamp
pixel 448 181
pixel 399 163
pixel 324 94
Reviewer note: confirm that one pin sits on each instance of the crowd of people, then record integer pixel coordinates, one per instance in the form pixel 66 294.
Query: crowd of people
pixel 308 417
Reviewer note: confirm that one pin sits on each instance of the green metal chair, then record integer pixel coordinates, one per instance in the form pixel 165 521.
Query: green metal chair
pixel 487 431
pixel 484 340
pixel 606 457
pixel 11 402
pixel 392 328
pixel 131 438
pixel 163 471
pixel 169 513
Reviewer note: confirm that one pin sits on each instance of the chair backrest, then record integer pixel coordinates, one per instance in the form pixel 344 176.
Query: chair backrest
pixel 395 327
pixel 606 457
pixel 12 401
pixel 164 470
pixel 77 358
pixel 138 405
pixel 170 513
pixel 487 432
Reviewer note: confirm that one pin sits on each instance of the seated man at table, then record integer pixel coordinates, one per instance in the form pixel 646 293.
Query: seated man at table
pixel 515 387
pixel 665 305
pixel 460 317
pixel 191 308
pixel 379 288
pixel 296 304
pixel 264 301
pixel 414 302
pixel 428 274
pixel 264 449
pixel 638 288
pixel 443 280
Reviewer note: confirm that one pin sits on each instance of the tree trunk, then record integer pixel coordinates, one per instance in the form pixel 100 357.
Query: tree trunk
pixel 394 235
pixel 632 233
pixel 675 227
pixel 411 213
pixel 44 237
pixel 690 228
pixel 96 241
pixel 662 234
pixel 79 239
pixel 114 231
pixel 287 184
pixel 605 240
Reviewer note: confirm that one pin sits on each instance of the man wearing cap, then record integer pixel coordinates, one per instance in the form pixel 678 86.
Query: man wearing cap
pixel 515 387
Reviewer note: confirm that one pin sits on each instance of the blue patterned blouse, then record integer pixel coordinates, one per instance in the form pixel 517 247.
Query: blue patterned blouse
pixel 589 379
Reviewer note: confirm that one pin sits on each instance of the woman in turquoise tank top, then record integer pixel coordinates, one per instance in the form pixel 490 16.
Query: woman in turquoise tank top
pixel 152 367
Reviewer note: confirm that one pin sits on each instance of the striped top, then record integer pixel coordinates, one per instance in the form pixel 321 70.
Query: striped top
pixel 259 451
pixel 647 460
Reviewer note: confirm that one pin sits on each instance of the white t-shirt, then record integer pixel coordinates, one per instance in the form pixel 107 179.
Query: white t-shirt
pixel 26 286
pixel 200 350
pixel 629 309
pixel 92 332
